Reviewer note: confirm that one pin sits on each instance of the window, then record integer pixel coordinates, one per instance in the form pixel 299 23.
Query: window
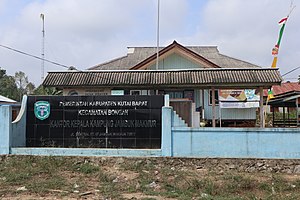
pixel 189 94
pixel 180 94
pixel 73 93
pixel 216 97
pixel 95 92
pixel 135 92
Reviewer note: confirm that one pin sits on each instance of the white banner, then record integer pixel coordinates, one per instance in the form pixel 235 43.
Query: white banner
pixel 239 104
pixel 243 95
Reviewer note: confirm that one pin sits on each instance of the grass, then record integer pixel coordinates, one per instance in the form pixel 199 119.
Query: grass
pixel 150 178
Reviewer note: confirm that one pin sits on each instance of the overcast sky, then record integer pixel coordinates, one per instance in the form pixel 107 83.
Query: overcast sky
pixel 83 33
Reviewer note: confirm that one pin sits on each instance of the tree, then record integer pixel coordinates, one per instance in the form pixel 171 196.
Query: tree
pixel 30 88
pixel 2 72
pixel 24 86
pixel 41 90
pixel 8 87
pixel 21 80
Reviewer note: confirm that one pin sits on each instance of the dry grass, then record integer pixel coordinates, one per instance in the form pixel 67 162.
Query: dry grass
pixel 29 177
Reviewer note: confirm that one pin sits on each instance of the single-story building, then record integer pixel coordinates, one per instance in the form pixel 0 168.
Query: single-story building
pixel 285 104
pixel 15 105
pixel 192 76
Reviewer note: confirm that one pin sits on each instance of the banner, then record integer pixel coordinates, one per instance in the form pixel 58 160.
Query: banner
pixel 239 98
pixel 239 104
pixel 239 95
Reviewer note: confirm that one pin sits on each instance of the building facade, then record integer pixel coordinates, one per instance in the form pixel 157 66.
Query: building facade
pixel 193 77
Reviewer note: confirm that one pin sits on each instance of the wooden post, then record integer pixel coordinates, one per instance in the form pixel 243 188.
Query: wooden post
pixel 213 99
pixel 288 112
pixel 202 105
pixel 283 116
pixel 261 107
pixel 297 112
pixel 273 114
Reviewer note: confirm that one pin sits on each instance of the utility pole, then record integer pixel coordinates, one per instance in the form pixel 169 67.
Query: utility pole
pixel 43 46
pixel 157 39
pixel 157 35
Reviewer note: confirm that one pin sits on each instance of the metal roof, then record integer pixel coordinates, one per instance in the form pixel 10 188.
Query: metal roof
pixel 139 54
pixel 284 88
pixel 6 100
pixel 201 78
pixel 288 99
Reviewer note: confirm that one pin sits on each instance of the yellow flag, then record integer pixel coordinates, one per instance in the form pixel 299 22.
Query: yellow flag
pixel 274 63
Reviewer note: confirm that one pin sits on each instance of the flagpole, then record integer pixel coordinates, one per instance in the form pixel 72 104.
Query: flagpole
pixel 275 50
pixel 283 21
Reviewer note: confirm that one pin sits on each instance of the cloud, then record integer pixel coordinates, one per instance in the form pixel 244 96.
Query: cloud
pixel 79 33
pixel 248 30
pixel 85 33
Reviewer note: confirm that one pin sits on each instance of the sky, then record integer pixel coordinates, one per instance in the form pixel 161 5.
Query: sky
pixel 84 33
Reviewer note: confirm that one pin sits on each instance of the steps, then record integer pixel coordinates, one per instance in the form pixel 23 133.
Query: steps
pixel 177 121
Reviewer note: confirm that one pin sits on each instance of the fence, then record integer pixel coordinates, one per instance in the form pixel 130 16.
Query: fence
pixel 178 140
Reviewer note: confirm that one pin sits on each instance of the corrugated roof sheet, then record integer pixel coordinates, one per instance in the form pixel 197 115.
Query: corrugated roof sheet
pixel 139 54
pixel 168 78
pixel 5 99
pixel 286 87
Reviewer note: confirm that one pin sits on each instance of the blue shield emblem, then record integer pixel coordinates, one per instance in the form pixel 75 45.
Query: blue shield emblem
pixel 42 109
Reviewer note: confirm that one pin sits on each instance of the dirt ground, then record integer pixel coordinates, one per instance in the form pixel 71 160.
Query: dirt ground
pixel 37 177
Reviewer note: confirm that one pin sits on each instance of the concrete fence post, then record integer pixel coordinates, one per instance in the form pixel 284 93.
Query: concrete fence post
pixel 166 144
pixel 18 134
pixel 5 129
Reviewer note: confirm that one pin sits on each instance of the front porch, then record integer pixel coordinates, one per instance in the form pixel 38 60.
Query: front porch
pixel 197 86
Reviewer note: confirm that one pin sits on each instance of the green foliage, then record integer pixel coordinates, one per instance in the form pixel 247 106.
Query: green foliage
pixel 24 86
pixel 41 90
pixel 87 168
pixel 15 87
pixel 8 86
pixel 42 185
pixel 2 72
pixel 290 115
pixel 238 183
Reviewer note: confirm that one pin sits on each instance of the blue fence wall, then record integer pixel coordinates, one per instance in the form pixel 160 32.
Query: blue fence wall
pixel 177 141
pixel 5 129
pixel 236 143
pixel 230 142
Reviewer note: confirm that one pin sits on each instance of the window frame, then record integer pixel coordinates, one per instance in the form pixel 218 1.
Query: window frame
pixel 210 97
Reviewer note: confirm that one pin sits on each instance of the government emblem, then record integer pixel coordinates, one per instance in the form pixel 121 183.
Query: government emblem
pixel 42 109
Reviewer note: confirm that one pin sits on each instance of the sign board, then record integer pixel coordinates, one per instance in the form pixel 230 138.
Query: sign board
pixel 243 98
pixel 239 95
pixel 94 121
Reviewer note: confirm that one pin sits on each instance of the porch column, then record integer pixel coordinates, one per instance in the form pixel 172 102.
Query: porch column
pixel 213 97
pixel 261 107
pixel 202 111
pixel 297 112
pixel 283 116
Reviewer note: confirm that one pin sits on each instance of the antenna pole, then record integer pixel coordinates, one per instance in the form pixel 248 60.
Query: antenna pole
pixel 157 36
pixel 43 46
